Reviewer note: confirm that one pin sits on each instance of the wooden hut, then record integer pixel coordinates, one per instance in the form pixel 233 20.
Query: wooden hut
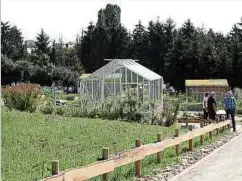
pixel 197 88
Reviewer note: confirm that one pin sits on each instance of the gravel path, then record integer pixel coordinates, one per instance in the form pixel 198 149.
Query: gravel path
pixel 216 168
pixel 224 165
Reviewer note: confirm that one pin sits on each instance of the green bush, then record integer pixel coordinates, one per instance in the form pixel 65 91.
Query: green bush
pixel 75 112
pixel 191 107
pixel 60 111
pixel 70 98
pixel 47 108
pixel 168 116
pixel 239 110
pixel 239 107
pixel 126 109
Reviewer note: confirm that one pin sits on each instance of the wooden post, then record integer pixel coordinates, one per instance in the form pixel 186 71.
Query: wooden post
pixel 191 140
pixel 105 157
pixel 159 154
pixel 177 133
pixel 55 167
pixel 217 131
pixel 138 163
pixel 202 136
pixel 210 134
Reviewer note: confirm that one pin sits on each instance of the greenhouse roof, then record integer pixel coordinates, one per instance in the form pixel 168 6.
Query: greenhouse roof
pixel 208 82
pixel 113 76
pixel 132 65
pixel 139 69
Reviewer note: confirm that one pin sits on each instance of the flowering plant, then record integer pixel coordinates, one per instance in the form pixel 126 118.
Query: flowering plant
pixel 23 97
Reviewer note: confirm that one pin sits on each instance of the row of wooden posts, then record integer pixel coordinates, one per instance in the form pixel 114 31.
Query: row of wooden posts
pixel 138 164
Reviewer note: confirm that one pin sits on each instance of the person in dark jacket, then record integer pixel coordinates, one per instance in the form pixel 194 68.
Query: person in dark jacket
pixel 212 106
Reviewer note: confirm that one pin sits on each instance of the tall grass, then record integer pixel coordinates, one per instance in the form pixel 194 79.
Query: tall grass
pixel 31 141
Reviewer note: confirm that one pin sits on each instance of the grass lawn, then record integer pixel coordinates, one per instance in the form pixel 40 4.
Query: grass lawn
pixel 31 141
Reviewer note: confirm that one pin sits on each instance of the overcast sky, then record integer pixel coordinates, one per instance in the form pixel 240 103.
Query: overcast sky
pixel 69 17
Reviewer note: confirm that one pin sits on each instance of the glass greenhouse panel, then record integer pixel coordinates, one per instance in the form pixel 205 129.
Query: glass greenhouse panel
pixel 118 77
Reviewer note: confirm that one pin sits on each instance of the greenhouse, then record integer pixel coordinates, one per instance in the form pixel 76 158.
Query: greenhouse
pixel 119 76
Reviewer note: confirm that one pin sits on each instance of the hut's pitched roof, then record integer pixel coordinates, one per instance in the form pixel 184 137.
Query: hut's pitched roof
pixel 208 82
pixel 84 76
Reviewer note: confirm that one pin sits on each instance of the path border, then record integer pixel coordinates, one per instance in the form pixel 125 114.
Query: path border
pixel 206 158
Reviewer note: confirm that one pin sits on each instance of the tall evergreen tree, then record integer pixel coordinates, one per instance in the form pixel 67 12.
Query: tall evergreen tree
pixel 87 48
pixel 157 46
pixel 53 53
pixel 42 44
pixel 11 42
pixel 235 50
pixel 140 44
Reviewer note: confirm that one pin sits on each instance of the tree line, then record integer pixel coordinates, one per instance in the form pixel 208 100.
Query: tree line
pixel 187 52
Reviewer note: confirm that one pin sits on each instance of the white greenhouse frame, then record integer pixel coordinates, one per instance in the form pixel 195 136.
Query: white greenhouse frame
pixel 119 75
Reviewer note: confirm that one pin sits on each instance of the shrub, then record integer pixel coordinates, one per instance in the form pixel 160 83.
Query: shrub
pixel 47 108
pixel 191 106
pixel 23 97
pixel 111 109
pixel 239 107
pixel 239 110
pixel 60 111
pixel 71 111
pixel 171 112
pixel 70 98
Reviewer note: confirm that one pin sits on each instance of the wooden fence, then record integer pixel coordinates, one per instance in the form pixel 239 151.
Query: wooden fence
pixel 136 155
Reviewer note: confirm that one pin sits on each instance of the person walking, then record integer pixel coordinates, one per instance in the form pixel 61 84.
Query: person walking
pixel 205 105
pixel 229 103
pixel 212 106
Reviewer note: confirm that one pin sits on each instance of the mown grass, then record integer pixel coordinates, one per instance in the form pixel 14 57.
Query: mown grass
pixel 31 141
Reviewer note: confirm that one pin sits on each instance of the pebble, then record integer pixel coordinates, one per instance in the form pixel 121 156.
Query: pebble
pixel 187 159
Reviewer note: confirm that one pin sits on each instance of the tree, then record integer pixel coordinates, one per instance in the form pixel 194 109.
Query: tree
pixel 170 34
pixel 157 46
pixel 235 51
pixel 87 48
pixel 140 44
pixel 42 44
pixel 106 39
pixel 41 52
pixel 174 62
pixel 53 53
pixel 223 64
pixel 110 17
pixel 11 41
pixel 112 39
pixel 181 60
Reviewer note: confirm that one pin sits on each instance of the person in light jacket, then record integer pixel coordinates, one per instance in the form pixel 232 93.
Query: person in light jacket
pixel 205 106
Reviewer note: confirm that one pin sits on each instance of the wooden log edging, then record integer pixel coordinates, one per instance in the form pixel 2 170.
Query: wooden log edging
pixel 135 155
